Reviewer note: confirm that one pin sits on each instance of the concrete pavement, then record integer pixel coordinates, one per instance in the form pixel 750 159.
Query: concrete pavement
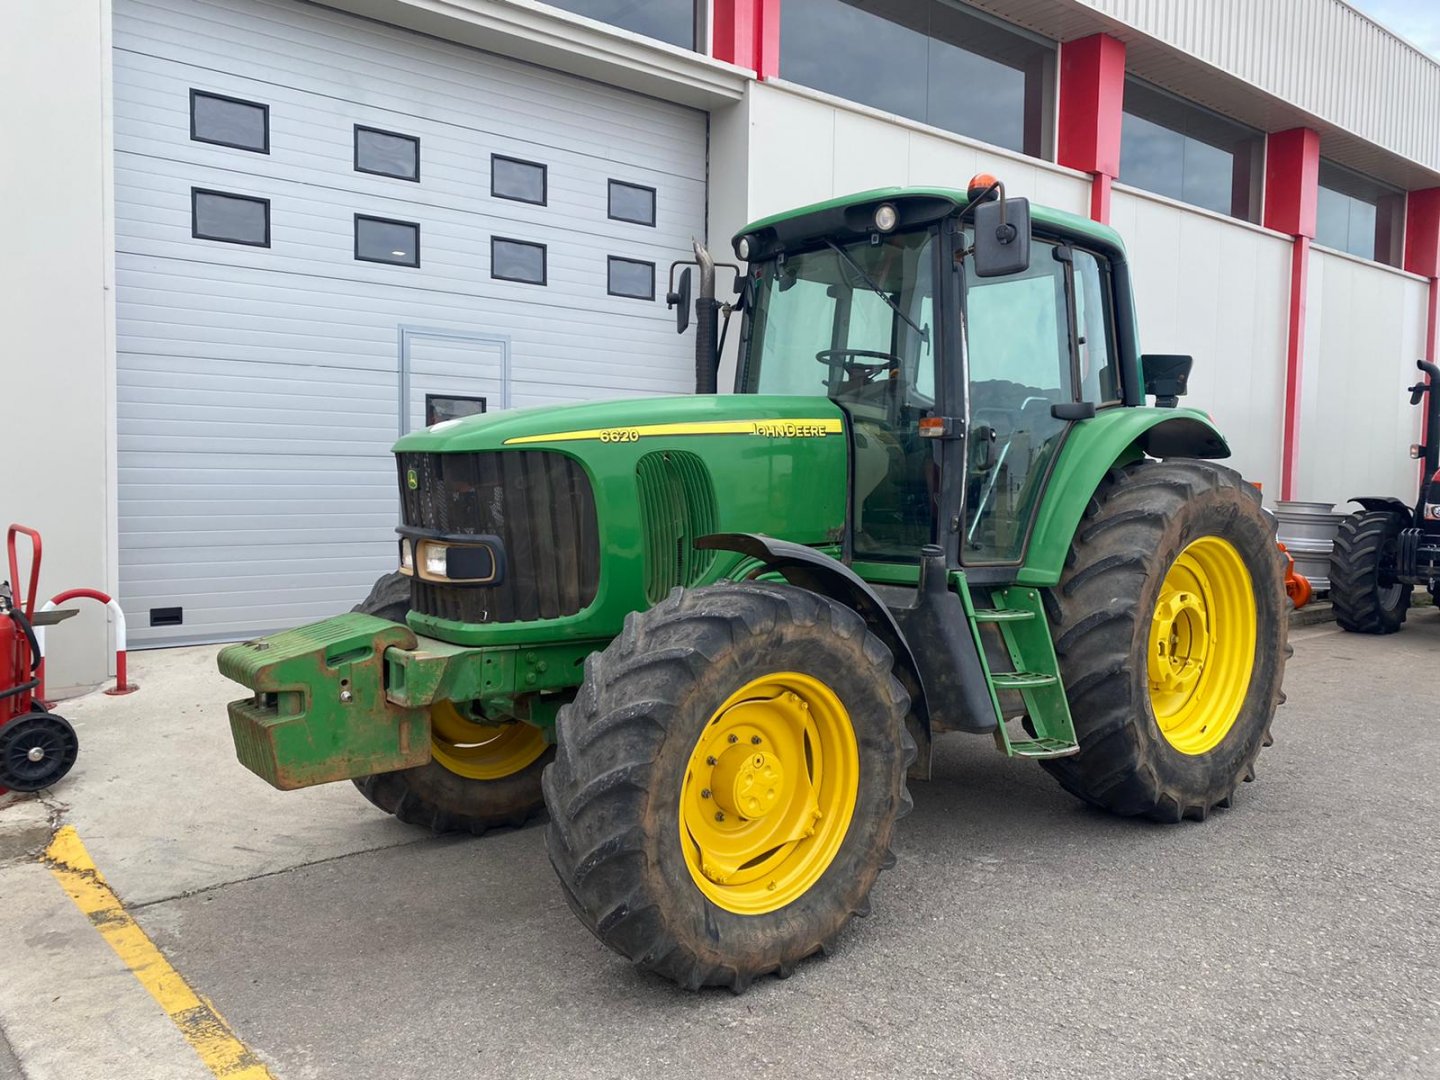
pixel 1020 934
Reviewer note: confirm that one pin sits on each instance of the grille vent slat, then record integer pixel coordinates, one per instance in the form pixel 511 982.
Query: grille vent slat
pixel 677 505
pixel 542 507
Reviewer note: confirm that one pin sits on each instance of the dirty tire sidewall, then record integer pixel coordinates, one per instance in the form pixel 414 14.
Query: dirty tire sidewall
pixel 1143 517
pixel 625 743
pixel 430 795
pixel 1360 603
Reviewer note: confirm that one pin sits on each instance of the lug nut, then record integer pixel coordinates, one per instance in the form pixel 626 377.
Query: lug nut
pixel 734 738
pixel 719 816
pixel 755 739
pixel 705 793
pixel 710 761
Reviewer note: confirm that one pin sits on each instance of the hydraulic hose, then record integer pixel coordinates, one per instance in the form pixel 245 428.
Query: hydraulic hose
pixel 29 632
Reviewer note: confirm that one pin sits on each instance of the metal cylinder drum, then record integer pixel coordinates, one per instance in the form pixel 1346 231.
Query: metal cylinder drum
pixel 1307 529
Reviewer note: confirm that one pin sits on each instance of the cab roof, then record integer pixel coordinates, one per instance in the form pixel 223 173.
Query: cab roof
pixel 916 205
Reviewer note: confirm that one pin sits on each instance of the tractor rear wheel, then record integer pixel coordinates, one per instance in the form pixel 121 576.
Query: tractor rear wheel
pixel 727 782
pixel 1363 591
pixel 481 776
pixel 1170 624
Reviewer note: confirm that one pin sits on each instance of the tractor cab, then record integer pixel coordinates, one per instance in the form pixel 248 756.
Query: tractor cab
pixel 886 303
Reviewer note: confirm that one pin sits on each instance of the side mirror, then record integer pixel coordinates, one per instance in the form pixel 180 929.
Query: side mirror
pixel 679 299
pixel 1166 376
pixel 1002 237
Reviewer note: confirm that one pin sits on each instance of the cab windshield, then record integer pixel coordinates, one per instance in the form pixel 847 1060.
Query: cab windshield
pixel 818 326
pixel 856 322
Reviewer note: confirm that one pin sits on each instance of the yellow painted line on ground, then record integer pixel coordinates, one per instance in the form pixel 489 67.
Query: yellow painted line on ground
pixel 204 1028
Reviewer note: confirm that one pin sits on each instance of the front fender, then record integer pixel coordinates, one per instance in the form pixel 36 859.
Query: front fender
pixel 806 568
pixel 1114 437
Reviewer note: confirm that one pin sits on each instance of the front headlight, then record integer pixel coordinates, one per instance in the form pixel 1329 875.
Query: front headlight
pixel 436 560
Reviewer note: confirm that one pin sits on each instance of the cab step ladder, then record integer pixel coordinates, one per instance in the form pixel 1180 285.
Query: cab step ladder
pixel 1018 614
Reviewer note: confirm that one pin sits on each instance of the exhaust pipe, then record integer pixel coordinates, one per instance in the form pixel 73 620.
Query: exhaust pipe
pixel 707 324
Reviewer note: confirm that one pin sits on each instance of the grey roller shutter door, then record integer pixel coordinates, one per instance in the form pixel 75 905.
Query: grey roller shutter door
pixel 260 387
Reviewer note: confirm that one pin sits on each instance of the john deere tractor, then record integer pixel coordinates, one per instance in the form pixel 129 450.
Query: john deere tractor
pixel 1386 548
pixel 714 635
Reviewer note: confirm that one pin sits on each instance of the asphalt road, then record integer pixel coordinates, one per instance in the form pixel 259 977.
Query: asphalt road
pixel 1019 935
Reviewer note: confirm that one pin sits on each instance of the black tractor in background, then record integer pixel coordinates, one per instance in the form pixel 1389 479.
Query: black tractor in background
pixel 1387 548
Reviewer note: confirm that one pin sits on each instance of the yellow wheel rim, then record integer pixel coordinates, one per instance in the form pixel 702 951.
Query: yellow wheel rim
pixel 481 751
pixel 769 792
pixel 1202 645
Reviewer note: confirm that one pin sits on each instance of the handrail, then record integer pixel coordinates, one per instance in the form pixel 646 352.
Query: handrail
pixel 20 601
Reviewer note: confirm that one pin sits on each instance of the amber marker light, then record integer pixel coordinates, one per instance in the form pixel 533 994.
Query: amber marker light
pixel 981 184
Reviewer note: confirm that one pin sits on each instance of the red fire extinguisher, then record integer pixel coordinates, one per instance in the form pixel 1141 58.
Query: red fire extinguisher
pixel 37 747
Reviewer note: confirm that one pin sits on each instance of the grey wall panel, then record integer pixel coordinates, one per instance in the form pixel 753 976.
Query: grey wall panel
pixel 259 388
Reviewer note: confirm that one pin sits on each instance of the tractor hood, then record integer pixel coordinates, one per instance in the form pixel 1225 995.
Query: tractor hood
pixel 777 419
pixel 659 472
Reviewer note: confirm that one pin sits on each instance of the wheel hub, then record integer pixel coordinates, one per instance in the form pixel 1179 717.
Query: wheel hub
pixel 748 782
pixel 1203 636
pixel 1179 641
pixel 769 792
pixel 36 753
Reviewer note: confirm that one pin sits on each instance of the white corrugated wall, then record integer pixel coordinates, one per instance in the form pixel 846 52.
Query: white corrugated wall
pixel 805 147
pixel 1365 329
pixel 1218 291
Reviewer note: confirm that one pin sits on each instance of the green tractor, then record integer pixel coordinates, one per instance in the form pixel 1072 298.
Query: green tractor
pixel 715 635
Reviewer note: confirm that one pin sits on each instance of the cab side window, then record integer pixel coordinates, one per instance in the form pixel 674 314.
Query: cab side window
pixel 1095 323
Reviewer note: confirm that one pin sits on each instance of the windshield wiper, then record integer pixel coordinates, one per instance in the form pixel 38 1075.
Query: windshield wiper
pixel 924 334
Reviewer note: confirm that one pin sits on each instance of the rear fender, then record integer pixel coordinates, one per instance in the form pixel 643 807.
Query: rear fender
pixel 1116 436
pixel 817 572
pixel 1385 505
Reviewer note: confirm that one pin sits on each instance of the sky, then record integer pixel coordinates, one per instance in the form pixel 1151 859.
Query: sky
pixel 1417 20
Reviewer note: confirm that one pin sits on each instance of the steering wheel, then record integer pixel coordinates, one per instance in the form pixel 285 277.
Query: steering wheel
pixel 844 359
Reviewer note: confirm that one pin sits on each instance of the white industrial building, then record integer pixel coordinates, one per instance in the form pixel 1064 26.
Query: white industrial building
pixel 252 241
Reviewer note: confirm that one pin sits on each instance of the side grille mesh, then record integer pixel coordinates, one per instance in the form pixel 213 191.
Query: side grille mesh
pixel 542 507
pixel 677 504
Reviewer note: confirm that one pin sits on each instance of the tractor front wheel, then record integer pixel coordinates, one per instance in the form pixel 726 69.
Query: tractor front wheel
pixel 1363 591
pixel 727 781
pixel 1170 623
pixel 481 776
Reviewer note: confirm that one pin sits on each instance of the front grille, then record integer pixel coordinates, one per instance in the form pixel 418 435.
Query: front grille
pixel 542 507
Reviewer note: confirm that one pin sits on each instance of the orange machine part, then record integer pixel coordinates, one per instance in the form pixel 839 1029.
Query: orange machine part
pixel 1297 586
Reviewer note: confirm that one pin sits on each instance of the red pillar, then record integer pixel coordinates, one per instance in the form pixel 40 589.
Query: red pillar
pixel 1292 179
pixel 1422 256
pixel 747 33
pixel 1092 95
